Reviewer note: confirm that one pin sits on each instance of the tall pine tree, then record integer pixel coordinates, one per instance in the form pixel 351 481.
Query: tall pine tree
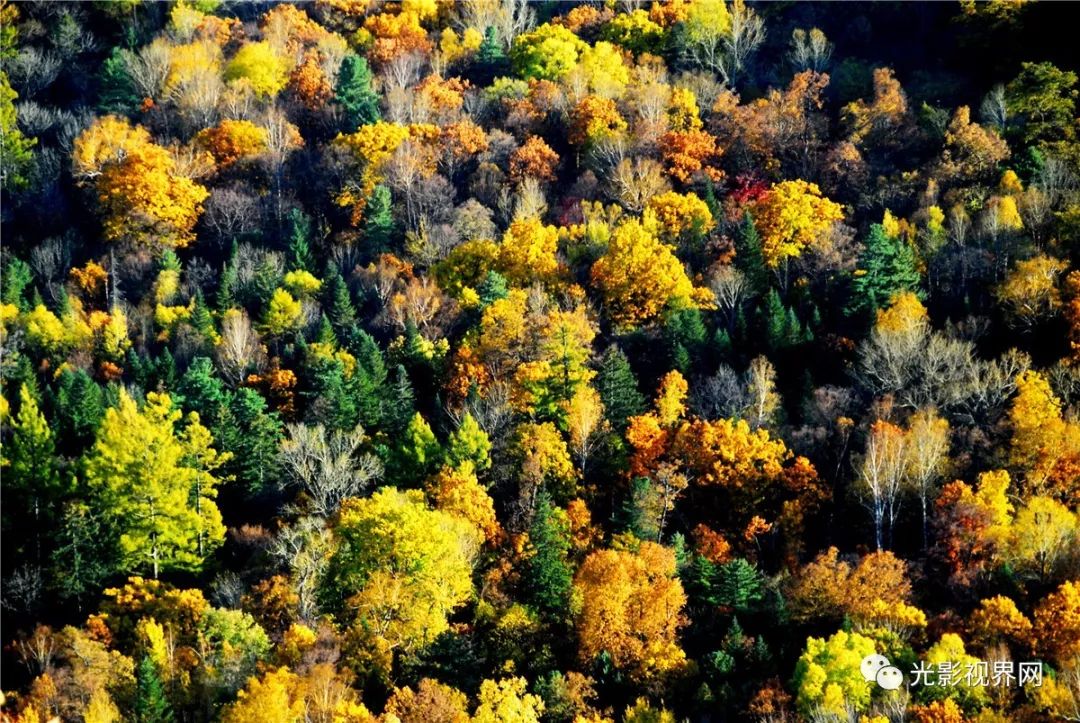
pixel 549 575
pixel 749 258
pixel 618 388
pixel 359 102
pixel 886 267
pixel 151 705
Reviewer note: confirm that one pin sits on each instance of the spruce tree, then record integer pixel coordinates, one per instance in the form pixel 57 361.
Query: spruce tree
pixel 618 388
pixel 739 586
pixel 369 379
pixel 378 221
pixel 299 240
pixel 202 391
pixel 339 301
pixel 80 405
pixel 15 280
pixel 886 267
pixel 749 258
pixel 359 102
pixel 116 91
pixel 202 320
pixel 492 288
pixel 491 51
pixel 549 577
pixel 151 704
pixel 226 293
pixel 253 435
pixel 82 557
pixel 325 334
pixel 400 402
pixel 332 398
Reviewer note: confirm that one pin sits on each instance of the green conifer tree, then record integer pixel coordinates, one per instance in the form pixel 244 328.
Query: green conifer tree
pixel 359 102
pixel 151 705
pixel 886 267
pixel 549 577
pixel 749 258
pixel 618 388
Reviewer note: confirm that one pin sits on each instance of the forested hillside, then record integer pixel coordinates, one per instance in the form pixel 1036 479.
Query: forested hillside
pixel 564 362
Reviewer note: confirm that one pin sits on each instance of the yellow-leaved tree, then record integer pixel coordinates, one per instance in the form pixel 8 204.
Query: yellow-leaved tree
pixel 639 276
pixel 632 609
pixel 143 197
pixel 158 483
pixel 791 217
pixel 399 568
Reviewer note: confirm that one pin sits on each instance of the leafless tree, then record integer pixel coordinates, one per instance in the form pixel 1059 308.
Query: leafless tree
pixel 149 67
pixel 810 50
pixel 328 466
pixel 33 70
pixel 720 396
pixel 510 18
pixel 240 350
pixel 634 183
pixel 231 212
pixel 227 589
pixel 994 110
pixel 50 260
pixel 730 288
pixel 198 95
pixel 304 549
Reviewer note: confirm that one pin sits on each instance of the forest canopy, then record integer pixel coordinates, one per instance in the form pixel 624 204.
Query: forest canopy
pixel 538 362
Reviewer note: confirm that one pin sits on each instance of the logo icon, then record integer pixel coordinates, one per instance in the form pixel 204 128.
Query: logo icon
pixel 877 668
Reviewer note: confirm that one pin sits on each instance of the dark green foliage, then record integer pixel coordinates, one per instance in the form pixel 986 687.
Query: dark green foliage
pixel 369 379
pixel 886 268
pixel 253 435
pixel 298 236
pixel 203 392
pixel 151 705
pixel 684 336
pixel 202 320
pixel 378 221
pixel 81 560
pixel 618 388
pixel 749 258
pixel 325 334
pixel 400 402
pixel 738 585
pixel 338 300
pixel 780 327
pixel 492 288
pixel 80 406
pixel 17 278
pixel 549 575
pixel 332 398
pixel 491 51
pixel 359 102
pixel 226 293
pixel 116 92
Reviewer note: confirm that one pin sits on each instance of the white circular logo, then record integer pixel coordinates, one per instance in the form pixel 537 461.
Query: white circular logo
pixel 871 664
pixel 890 677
